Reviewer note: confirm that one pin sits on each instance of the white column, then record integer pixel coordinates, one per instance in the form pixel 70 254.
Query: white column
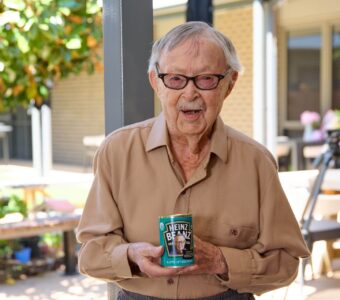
pixel 271 81
pixel 258 73
pixel 46 134
pixel 36 139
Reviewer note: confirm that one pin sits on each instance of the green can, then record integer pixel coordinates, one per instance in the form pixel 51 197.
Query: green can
pixel 176 236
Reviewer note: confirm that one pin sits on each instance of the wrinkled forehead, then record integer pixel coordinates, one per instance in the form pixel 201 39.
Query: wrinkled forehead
pixel 193 47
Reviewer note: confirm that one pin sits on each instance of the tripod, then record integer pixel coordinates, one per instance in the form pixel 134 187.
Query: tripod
pixel 316 230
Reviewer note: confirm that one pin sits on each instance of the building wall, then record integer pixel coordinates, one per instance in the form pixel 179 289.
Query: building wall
pixel 77 111
pixel 236 23
pixel 164 20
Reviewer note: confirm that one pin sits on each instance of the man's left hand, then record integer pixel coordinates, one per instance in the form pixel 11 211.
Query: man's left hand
pixel 208 260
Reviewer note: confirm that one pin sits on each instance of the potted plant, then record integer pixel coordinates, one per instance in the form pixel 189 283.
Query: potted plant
pixel 12 204
pixel 23 255
pixel 14 248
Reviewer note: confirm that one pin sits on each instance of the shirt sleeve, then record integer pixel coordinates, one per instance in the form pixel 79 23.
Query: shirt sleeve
pixel 272 262
pixel 103 252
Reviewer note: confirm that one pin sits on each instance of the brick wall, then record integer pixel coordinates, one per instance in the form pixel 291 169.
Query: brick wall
pixel 236 23
pixel 77 110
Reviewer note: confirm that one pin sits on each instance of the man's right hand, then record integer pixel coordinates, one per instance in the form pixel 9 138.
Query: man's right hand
pixel 146 256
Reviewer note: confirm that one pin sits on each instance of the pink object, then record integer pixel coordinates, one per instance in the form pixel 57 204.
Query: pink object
pixel 309 117
pixel 60 205
pixel 317 135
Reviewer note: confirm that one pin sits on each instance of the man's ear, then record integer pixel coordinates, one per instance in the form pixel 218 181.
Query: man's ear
pixel 153 81
pixel 232 82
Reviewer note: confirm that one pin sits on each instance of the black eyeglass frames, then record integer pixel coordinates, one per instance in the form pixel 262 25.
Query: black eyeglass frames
pixel 201 81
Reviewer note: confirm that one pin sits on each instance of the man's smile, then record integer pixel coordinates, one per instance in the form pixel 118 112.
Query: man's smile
pixel 191 114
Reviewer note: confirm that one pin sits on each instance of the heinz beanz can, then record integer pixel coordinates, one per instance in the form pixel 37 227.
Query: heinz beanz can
pixel 176 236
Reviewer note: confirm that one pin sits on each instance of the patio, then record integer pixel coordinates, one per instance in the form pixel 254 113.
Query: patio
pixel 54 285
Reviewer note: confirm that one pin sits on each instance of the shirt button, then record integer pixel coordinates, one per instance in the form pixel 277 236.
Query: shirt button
pixel 170 281
pixel 234 232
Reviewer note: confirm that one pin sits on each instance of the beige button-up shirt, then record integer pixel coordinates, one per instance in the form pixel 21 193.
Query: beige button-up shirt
pixel 235 198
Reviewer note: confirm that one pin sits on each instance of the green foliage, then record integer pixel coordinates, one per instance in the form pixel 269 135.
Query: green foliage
pixel 8 247
pixel 11 205
pixel 52 239
pixel 5 249
pixel 44 40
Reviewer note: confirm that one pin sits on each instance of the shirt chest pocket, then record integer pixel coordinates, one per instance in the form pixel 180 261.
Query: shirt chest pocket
pixel 239 237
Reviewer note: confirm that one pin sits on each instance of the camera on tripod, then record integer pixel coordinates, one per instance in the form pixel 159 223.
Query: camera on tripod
pixel 333 141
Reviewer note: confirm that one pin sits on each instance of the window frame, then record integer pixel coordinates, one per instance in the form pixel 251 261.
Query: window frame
pixel 326 34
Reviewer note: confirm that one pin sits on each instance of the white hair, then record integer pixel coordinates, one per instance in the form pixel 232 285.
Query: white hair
pixel 194 30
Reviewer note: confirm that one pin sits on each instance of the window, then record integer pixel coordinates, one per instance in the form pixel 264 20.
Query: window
pixel 336 69
pixel 303 74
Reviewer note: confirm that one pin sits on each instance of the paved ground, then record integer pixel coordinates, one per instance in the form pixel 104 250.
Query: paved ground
pixel 56 286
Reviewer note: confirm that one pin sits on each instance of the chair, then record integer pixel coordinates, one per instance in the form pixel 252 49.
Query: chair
pixel 318 230
pixel 324 227
pixel 310 153
pixel 283 152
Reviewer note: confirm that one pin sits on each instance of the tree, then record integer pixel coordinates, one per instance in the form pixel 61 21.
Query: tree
pixel 45 40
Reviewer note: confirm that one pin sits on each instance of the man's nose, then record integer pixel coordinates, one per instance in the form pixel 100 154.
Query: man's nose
pixel 190 91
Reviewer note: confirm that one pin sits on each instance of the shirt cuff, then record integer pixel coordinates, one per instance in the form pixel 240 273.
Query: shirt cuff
pixel 120 262
pixel 240 268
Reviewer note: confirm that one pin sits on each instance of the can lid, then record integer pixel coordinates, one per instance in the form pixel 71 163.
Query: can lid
pixel 176 215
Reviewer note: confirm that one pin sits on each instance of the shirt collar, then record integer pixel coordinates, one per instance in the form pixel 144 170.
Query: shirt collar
pixel 219 140
pixel 159 137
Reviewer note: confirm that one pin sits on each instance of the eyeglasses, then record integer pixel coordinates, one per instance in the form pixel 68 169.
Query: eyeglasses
pixel 202 81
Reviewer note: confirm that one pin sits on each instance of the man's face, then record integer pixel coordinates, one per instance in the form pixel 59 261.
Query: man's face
pixel 179 243
pixel 191 111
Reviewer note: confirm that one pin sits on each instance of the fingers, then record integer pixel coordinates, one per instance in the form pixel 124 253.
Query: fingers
pixel 152 251
pixel 208 259
pixel 197 240
pixel 137 251
pixel 146 256
pixel 155 270
pixel 189 270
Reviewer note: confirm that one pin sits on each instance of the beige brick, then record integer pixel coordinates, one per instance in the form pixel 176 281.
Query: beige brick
pixel 237 25
pixel 77 110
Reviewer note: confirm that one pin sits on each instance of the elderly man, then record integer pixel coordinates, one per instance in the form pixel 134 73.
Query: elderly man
pixel 187 161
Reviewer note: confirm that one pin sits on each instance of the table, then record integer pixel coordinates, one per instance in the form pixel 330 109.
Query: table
pixel 33 185
pixel 300 147
pixel 31 188
pixel 287 145
pixel 25 178
pixel 4 129
pixel 39 225
pixel 297 146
